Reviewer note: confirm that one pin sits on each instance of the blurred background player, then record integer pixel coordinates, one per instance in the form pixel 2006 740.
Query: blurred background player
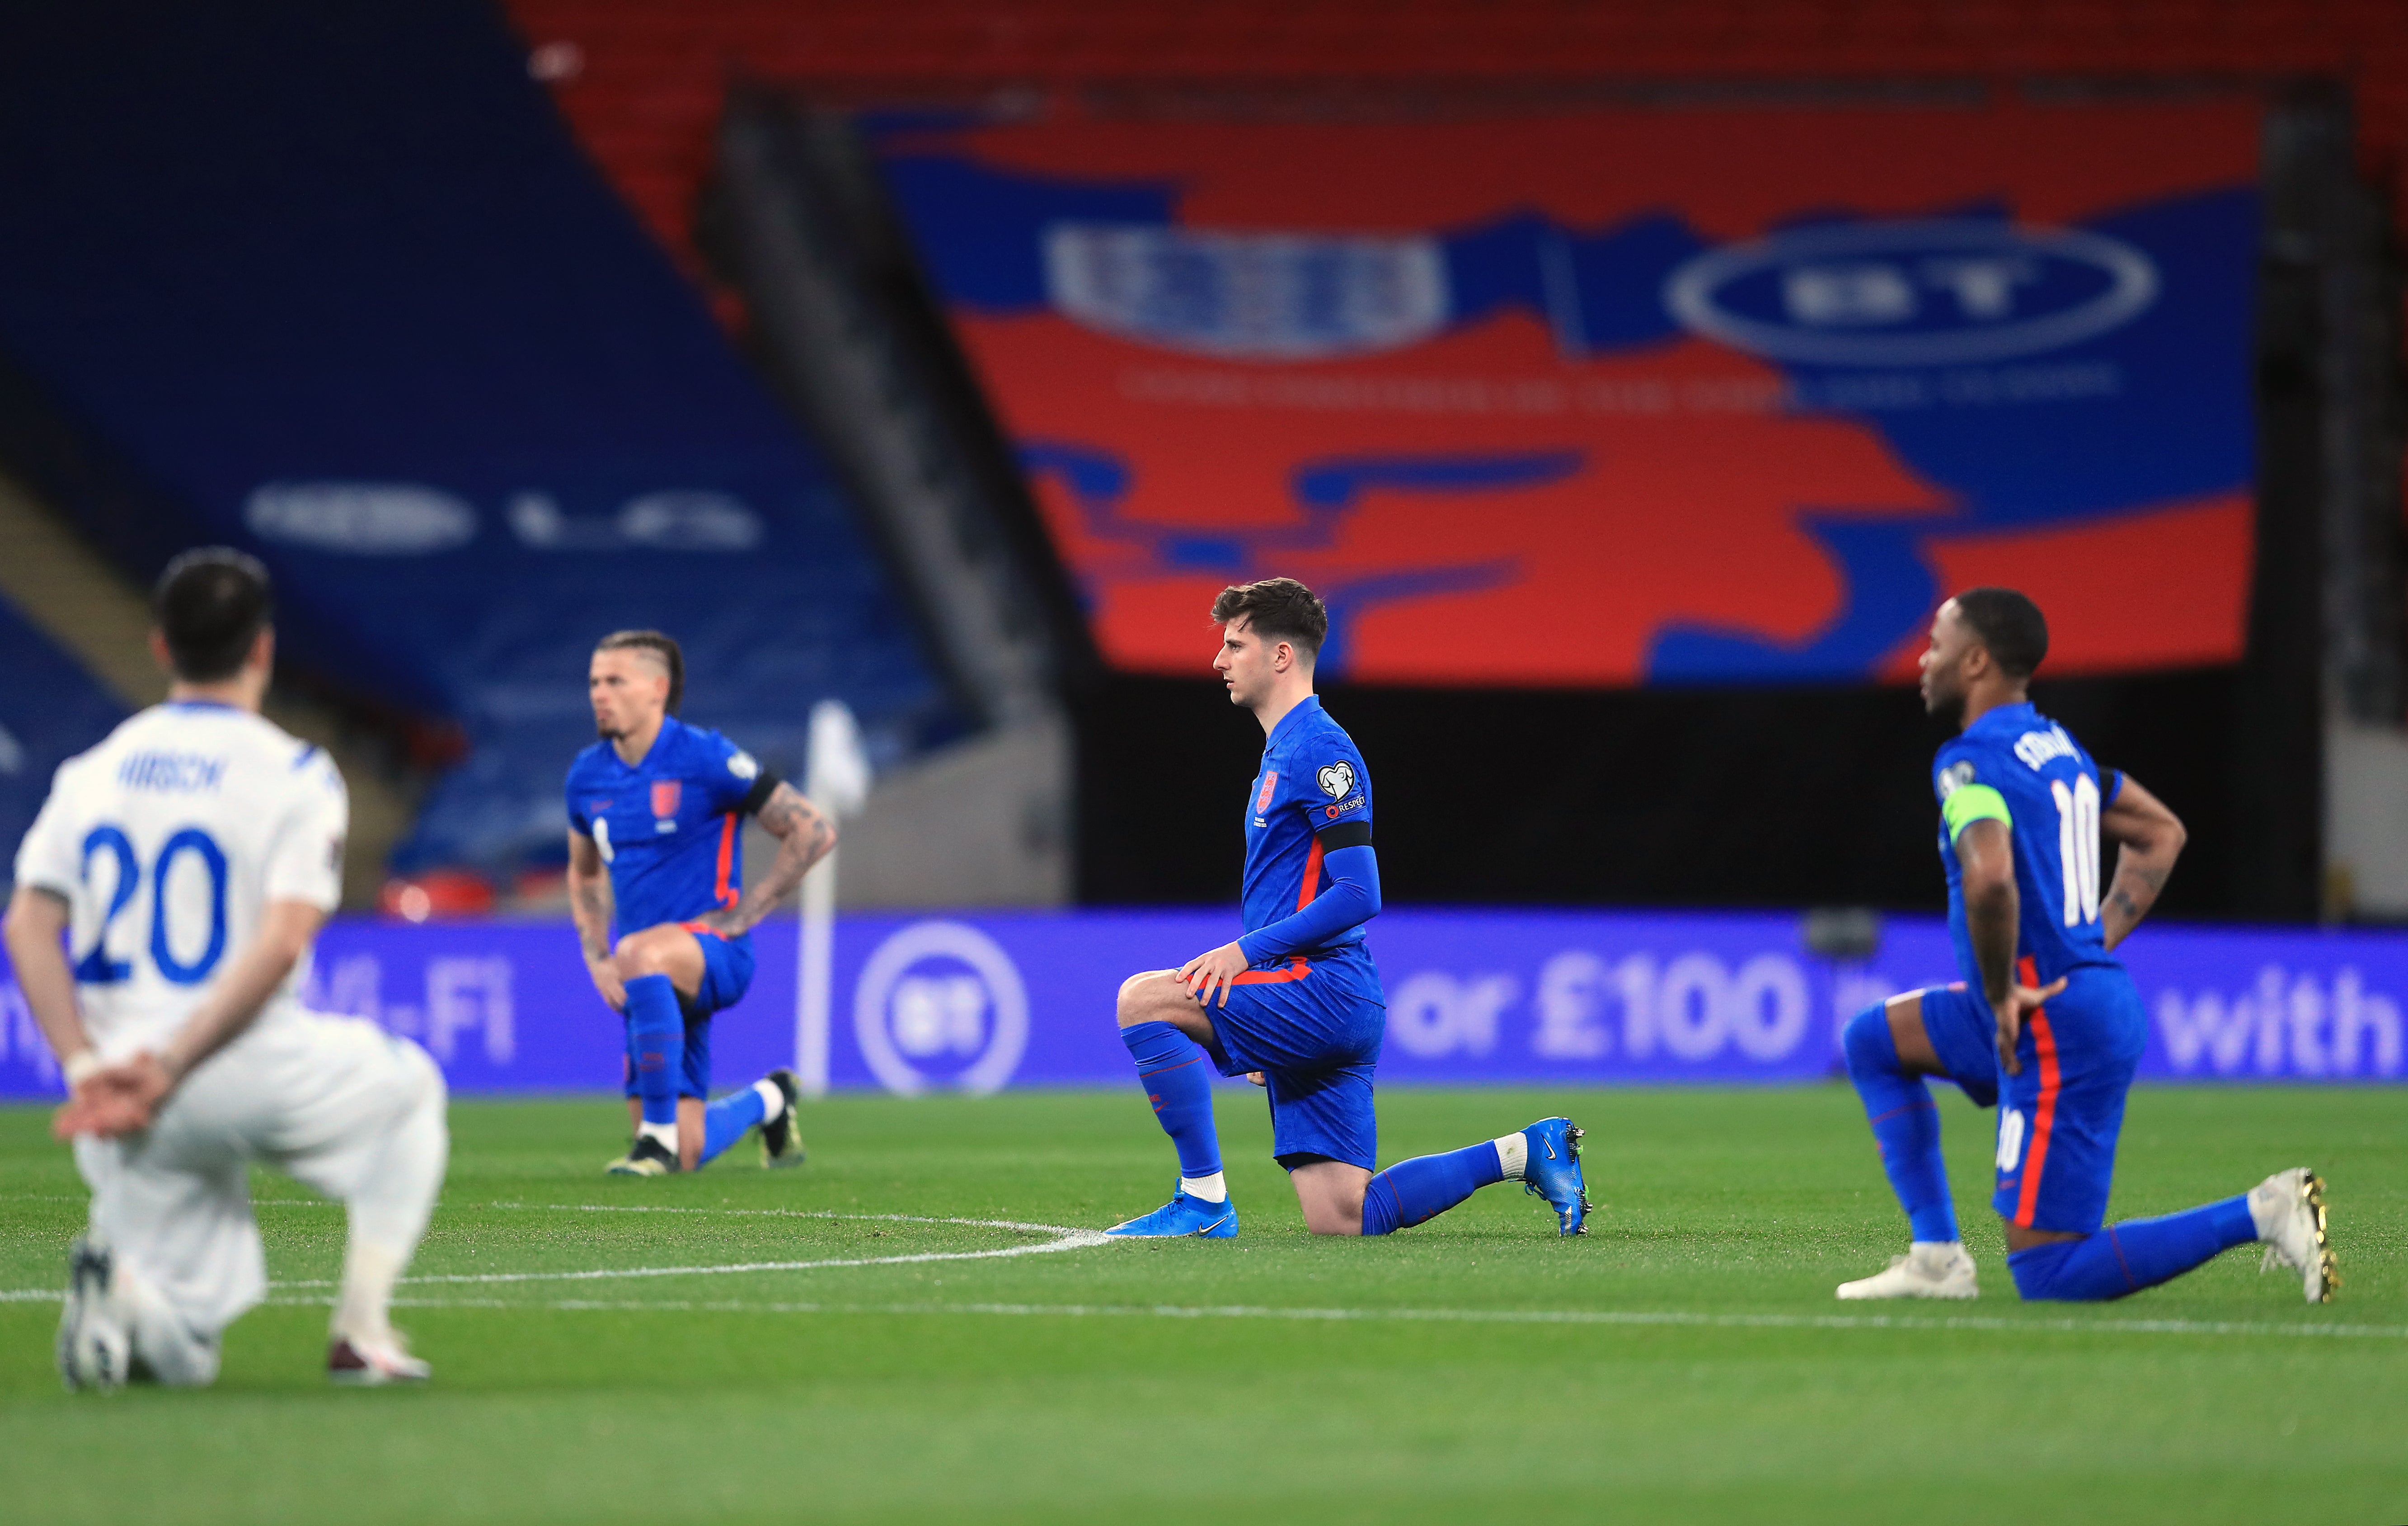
pixel 190 859
pixel 1296 1002
pixel 2021 807
pixel 655 846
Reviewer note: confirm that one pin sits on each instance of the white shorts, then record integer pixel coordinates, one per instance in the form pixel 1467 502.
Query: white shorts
pixel 312 1095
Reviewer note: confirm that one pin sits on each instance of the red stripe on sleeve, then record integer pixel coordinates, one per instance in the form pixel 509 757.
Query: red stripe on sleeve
pixel 726 861
pixel 1311 877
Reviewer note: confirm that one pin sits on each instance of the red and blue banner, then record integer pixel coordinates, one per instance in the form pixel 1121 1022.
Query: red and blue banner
pixel 1620 396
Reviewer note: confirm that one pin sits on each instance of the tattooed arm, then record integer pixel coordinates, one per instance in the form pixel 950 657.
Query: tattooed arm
pixel 804 833
pixel 2149 838
pixel 589 907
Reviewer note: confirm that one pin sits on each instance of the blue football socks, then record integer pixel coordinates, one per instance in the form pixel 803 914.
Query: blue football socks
pixel 1179 1083
pixel 1427 1186
pixel 2138 1253
pixel 1906 1124
pixel 729 1119
pixel 656 1038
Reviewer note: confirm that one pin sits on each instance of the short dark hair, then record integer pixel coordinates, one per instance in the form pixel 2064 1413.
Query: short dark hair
pixel 212 604
pixel 1275 609
pixel 2010 625
pixel 659 645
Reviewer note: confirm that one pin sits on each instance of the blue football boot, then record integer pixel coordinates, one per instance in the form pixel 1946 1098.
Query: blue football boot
pixel 1552 1171
pixel 1181 1216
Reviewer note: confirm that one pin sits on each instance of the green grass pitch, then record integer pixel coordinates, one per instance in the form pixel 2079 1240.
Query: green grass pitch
pixel 1684 1361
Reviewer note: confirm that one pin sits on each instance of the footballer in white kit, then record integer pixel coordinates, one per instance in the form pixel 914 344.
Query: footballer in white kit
pixel 165 900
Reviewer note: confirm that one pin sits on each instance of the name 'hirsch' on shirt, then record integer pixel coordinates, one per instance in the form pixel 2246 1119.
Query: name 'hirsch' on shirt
pixel 171 773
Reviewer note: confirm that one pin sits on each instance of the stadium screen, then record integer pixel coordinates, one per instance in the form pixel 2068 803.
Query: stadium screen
pixel 1645 396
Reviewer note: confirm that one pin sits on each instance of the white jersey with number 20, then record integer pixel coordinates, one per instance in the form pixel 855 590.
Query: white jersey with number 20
pixel 168 839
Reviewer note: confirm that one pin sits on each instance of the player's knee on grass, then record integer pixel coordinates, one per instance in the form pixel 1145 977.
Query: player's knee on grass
pixel 166 1348
pixel 1330 1192
pixel 2074 1269
pixel 184 1362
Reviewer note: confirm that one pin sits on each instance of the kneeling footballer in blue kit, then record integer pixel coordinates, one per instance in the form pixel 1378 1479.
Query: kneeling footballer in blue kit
pixel 657 890
pixel 1296 1002
pixel 2046 1025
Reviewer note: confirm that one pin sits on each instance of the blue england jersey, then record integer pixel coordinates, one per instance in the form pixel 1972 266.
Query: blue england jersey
pixel 2018 767
pixel 1311 794
pixel 667 827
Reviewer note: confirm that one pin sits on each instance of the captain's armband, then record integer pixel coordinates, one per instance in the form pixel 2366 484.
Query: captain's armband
pixel 1969 803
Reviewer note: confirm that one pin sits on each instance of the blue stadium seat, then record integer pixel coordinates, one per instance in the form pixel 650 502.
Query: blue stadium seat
pixel 50 709
pixel 338 286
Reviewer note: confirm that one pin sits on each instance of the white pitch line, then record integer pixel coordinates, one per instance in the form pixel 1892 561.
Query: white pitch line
pixel 1064 1238
pixel 86 1197
pixel 1495 1317
pixel 1068 1238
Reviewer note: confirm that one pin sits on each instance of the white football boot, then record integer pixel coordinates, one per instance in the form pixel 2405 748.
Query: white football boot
pixel 96 1345
pixel 371 1364
pixel 1928 1271
pixel 2288 1208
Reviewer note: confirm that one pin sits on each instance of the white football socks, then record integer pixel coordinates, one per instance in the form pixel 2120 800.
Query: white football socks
pixel 388 1211
pixel 773 1102
pixel 1512 1155
pixel 362 1313
pixel 1212 1188
pixel 663 1134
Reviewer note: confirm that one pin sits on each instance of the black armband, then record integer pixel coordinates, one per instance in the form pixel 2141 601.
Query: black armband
pixel 763 786
pixel 1346 834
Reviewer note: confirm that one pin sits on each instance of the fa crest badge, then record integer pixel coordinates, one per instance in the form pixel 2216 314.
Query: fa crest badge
pixel 666 795
pixel 1270 783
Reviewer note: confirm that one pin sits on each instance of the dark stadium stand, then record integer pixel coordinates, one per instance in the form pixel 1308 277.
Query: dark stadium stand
pixel 350 296
pixel 50 709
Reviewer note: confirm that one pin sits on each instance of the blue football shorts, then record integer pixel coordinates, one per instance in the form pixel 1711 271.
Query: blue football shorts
pixel 1312 1026
pixel 1965 1036
pixel 726 976
pixel 2060 1116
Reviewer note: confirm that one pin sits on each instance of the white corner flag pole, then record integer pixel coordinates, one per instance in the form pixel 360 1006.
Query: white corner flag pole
pixel 814 950
pixel 837 779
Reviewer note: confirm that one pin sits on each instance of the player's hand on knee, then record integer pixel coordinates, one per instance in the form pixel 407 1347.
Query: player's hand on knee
pixel 605 975
pixel 1207 974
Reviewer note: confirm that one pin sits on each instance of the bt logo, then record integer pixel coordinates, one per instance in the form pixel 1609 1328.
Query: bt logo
pixel 940 1004
pixel 1912 293
pixel 939 1015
